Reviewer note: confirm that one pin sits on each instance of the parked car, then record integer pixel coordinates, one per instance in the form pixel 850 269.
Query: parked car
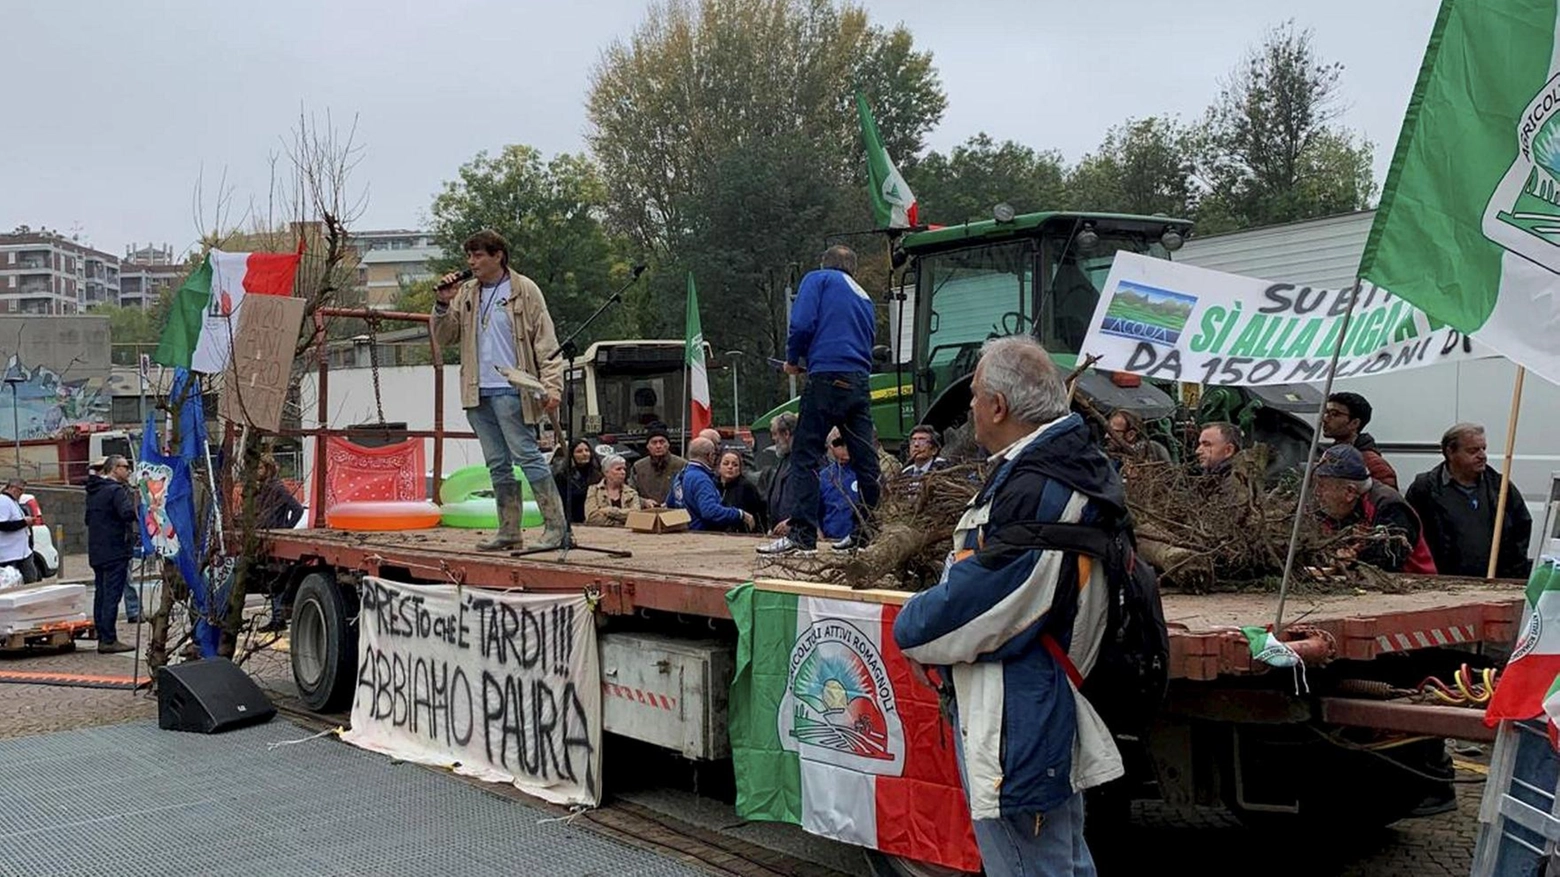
pixel 45 554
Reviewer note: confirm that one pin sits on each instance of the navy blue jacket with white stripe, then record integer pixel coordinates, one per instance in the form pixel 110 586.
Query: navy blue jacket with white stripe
pixel 1029 739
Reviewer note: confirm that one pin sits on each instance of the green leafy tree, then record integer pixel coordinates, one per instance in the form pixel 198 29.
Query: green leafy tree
pixel 549 213
pixel 1269 151
pixel 727 135
pixel 980 173
pixel 1143 166
pixel 130 330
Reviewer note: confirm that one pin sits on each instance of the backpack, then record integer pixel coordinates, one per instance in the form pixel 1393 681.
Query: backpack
pixel 1131 675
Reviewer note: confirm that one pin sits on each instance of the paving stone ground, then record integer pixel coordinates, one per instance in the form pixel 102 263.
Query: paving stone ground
pixel 1440 846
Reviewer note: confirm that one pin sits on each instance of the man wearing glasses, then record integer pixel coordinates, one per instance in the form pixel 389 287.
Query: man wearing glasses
pixel 111 533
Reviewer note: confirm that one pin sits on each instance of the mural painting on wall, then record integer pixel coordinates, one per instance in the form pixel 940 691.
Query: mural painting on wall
pixel 46 402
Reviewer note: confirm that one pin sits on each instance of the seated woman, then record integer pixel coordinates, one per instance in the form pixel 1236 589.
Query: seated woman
pixel 608 501
pixel 575 475
pixel 738 491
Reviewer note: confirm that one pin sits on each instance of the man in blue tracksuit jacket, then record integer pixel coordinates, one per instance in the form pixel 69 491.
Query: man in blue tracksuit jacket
pixel 694 489
pixel 1014 627
pixel 833 325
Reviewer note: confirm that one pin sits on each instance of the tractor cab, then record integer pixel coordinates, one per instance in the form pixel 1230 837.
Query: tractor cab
pixel 1042 274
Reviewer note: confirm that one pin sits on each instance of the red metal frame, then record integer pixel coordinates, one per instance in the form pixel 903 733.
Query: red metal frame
pixel 1406 717
pixel 622 589
pixel 1211 654
pixel 322 432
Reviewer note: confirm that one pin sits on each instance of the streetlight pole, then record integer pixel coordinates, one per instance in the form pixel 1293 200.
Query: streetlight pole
pixel 16 428
pixel 736 408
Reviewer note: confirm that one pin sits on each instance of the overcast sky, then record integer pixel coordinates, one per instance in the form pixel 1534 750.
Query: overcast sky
pixel 114 109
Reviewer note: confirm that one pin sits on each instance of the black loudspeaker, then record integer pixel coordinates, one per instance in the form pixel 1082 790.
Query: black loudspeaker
pixel 208 697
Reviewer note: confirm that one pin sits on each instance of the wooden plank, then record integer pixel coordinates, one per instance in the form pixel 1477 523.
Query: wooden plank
pixel 834 592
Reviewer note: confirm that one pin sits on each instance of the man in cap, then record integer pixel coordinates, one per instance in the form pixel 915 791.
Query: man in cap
pixel 652 475
pixel 1348 498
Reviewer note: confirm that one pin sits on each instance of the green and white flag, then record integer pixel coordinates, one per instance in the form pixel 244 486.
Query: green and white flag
pixel 893 204
pixel 1469 223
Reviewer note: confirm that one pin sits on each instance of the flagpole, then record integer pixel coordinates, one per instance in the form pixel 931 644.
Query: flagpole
pixel 1505 473
pixel 687 402
pixel 1310 459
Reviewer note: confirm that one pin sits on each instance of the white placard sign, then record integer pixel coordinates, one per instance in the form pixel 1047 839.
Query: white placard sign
pixel 504 687
pixel 1178 322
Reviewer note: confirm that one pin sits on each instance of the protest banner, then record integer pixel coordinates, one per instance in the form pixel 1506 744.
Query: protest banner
pixel 1176 322
pixel 502 687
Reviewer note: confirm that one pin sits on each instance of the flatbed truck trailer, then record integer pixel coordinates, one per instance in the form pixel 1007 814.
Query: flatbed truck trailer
pixel 1269 744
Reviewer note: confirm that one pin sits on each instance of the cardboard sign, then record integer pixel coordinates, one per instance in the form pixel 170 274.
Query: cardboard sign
pixel 659 520
pixel 254 390
pixel 499 686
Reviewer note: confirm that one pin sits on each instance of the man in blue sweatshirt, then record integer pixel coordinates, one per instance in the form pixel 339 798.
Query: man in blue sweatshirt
pixel 694 489
pixel 833 325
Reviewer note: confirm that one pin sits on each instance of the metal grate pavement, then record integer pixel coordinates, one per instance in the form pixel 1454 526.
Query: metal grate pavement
pixel 132 800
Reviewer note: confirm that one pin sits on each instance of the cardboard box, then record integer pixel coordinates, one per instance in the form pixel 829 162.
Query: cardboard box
pixel 659 520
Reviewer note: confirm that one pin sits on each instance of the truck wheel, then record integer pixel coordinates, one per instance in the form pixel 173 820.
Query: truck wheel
pixel 324 642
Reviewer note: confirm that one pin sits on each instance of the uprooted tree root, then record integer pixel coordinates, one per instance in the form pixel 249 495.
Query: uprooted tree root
pixel 1202 532
pixel 911 534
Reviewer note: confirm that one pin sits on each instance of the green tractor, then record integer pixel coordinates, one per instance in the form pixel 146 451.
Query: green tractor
pixel 1041 274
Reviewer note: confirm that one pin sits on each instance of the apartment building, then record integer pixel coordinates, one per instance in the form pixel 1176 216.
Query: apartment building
pixel 47 273
pixel 389 260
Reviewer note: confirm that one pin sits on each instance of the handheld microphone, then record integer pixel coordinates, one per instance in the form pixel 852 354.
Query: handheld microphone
pixel 462 277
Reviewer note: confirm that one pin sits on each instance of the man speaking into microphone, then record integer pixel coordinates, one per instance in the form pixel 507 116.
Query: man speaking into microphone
pixel 500 319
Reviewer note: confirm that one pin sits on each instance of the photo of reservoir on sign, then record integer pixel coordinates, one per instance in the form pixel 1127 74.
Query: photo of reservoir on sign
pixel 1146 313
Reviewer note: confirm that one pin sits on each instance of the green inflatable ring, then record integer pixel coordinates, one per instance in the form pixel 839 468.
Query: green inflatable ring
pixel 481 513
pixel 464 482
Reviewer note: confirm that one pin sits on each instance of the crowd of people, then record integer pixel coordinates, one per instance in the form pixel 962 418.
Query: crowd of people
pixel 1444 523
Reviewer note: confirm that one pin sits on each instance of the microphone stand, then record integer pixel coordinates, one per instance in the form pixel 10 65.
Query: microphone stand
pixel 570 350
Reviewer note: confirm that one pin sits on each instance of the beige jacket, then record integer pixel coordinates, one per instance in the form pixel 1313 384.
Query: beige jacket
pixel 535 339
pixel 600 512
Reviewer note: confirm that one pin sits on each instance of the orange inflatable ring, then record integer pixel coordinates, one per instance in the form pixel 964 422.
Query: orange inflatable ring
pixel 383 515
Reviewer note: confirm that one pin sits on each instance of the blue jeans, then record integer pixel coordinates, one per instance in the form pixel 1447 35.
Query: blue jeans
pixel 1016 846
pixel 108 588
pixel 507 440
pixel 132 599
pixel 830 399
pixel 1021 846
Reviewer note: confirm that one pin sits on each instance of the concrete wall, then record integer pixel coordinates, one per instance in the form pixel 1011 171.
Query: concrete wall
pixel 73 347
pixel 64 507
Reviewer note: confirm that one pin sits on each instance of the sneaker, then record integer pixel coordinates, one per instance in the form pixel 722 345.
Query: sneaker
pixel 784 545
pixel 114 647
pixel 1435 805
pixel 847 544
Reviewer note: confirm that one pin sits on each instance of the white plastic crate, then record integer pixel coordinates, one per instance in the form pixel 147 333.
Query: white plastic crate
pixel 1519 816
pixel 33 606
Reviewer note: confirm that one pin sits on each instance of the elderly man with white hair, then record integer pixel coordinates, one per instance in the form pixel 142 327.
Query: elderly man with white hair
pixel 1015 627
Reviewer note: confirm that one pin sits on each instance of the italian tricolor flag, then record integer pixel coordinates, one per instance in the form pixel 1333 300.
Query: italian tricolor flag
pixel 1530 685
pixel 698 375
pixel 830 731
pixel 199 334
pixel 1469 223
